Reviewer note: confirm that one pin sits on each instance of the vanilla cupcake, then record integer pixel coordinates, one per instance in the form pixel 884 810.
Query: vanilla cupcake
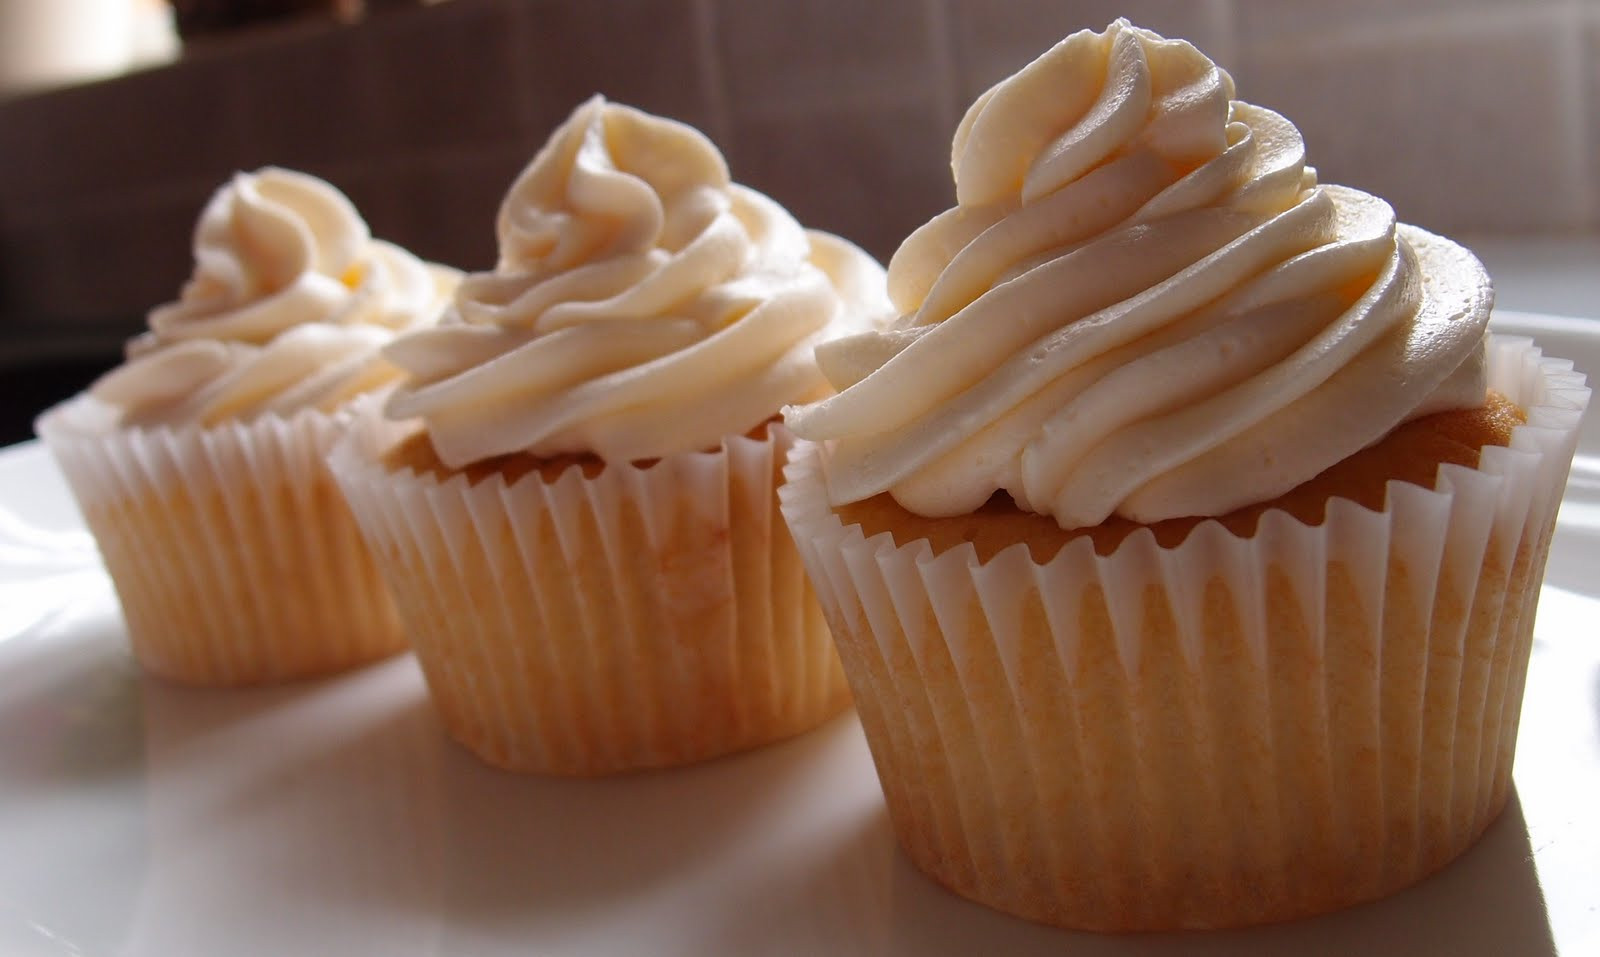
pixel 1182 537
pixel 572 493
pixel 199 462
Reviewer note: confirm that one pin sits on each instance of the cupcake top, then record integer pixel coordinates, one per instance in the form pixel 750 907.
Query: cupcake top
pixel 1143 304
pixel 643 305
pixel 290 299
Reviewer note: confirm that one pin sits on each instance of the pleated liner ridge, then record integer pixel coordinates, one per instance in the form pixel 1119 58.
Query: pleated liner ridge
pixel 231 549
pixel 639 618
pixel 1227 732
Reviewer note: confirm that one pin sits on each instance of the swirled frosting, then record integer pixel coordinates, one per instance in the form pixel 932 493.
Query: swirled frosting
pixel 290 300
pixel 642 305
pixel 1142 304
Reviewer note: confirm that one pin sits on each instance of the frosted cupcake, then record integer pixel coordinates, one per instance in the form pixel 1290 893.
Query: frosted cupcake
pixel 572 493
pixel 199 462
pixel 1182 536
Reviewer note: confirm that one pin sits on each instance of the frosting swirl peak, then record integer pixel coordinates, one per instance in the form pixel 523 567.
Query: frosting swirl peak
pixel 288 303
pixel 643 304
pixel 1142 304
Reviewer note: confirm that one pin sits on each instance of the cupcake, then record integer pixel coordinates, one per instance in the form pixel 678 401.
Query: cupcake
pixel 1182 536
pixel 199 463
pixel 572 493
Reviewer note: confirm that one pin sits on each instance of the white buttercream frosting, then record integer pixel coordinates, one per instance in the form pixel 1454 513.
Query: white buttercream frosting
pixel 643 304
pixel 1142 304
pixel 290 300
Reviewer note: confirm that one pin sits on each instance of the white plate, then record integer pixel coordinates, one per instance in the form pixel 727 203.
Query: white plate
pixel 334 817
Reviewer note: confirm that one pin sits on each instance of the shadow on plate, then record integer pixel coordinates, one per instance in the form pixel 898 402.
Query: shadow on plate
pixel 70 686
pixel 834 895
pixel 1487 904
pixel 203 712
pixel 539 857
pixel 285 816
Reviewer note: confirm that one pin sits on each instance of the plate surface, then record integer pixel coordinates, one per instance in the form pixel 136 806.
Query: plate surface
pixel 334 817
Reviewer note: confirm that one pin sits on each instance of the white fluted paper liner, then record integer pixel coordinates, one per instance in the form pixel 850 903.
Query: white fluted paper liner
pixel 232 552
pixel 642 617
pixel 1226 732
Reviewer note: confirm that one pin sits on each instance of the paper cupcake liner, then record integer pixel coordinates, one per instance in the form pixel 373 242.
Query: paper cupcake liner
pixel 642 617
pixel 231 549
pixel 1226 732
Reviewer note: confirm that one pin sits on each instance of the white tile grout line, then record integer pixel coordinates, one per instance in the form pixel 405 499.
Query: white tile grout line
pixel 1224 17
pixel 1584 85
pixel 1573 140
pixel 522 79
pixel 1400 32
pixel 712 76
pixel 941 54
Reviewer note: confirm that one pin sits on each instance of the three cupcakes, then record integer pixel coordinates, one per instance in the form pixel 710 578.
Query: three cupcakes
pixel 1180 541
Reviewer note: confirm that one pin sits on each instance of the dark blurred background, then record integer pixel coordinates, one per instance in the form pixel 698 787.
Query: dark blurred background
pixel 840 109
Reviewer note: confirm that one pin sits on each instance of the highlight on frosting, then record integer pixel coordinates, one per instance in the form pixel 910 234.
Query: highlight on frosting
pixel 289 301
pixel 643 304
pixel 1143 304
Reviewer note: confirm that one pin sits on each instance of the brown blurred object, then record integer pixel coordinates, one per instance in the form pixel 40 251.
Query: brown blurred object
pixel 197 17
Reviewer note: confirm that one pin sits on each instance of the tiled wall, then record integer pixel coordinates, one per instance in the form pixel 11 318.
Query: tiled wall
pixel 1466 114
